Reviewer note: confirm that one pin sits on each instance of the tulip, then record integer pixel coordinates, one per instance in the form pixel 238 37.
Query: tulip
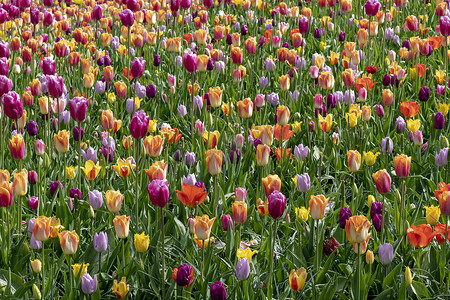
pixel 202 227
pixel 386 253
pixel 245 108
pixel 214 159
pixel 227 222
pixel 121 289
pixel 402 165
pixel 6 194
pixel 303 182
pixel 20 184
pixel 158 191
pixel 191 195
pixel 271 183
pixel 382 181
pixel 439 121
pixel 239 210
pixel 317 205
pixel 12 105
pixel 17 147
pixel 141 242
pixel 217 291
pixel 89 284
pixel 183 275
pixel 277 204
pixel 297 279
pixel 137 67
pixel 100 242
pixel 114 200
pixel 62 141
pixel 303 24
pixel 262 155
pixel 56 86
pixel 444 25
pixel 432 214
pixel 78 107
pixel 139 124
pixel 344 214
pixel 121 225
pixel 69 242
pixel 357 228
pixel 91 170
pixel 354 160
pixel 126 17
pixel 41 229
pixel 190 62
pixel 372 7
pixel 242 269
pixel 36 265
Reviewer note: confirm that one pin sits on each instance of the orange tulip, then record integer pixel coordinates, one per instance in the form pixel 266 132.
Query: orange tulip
pixel 62 141
pixel 409 109
pixel 239 210
pixel 271 183
pixel 215 96
pixel 285 82
pixel 107 119
pixel 283 114
pixel 122 226
pixel 237 55
pixel 420 235
pixel 153 145
pixel 121 89
pixel 362 246
pixel 42 229
pixel 349 78
pixel 114 200
pixel 402 165
pixel 158 170
pixel 191 195
pixel 69 242
pixel 282 53
pixel 202 62
pixel 357 229
pixel 286 153
pixel 263 207
pixel 287 133
pixel 266 134
pixel 353 160
pixel 214 159
pixel 439 230
pixel 362 37
pixel 317 205
pixel 202 227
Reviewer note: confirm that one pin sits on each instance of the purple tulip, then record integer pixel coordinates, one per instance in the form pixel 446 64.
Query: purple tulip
pixel 387 145
pixel 32 128
pixel 185 4
pixel 376 220
pixel 12 105
pixel 184 274
pixel 150 90
pixel 89 154
pixel 108 155
pixel 376 209
pixel 386 80
pixel 126 17
pixel 444 25
pixel 54 188
pixel 400 124
pixel 301 152
pixel 33 202
pixel 97 12
pixel 35 244
pixel 35 15
pixel 303 182
pixel 442 158
pixel 48 18
pixel 386 253
pixel 190 179
pixel 132 5
pixel 341 37
pixel 174 5
pixel 242 269
pixel 303 24
pixel 439 121
pixel 100 242
pixel 95 199
pixel 89 284
pixel 227 222
pixel 56 86
pixel 6 85
pixel 137 67
pixel 277 204
pixel 4 66
pixel 4 49
pixel 78 133
pixel 217 291
pixel 424 93
pixel 372 7
pixel 379 110
pixel 32 177
pixel 78 108
pixel 344 214
pixel 158 191
pixel 139 124
pixel 190 62
pixel 235 153
pixel 75 193
pixel 182 111
pixel 156 60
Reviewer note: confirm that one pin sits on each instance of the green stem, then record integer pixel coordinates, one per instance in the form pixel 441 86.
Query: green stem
pixel 269 286
pixel 162 253
pixel 43 270
pixel 137 183
pixel 359 274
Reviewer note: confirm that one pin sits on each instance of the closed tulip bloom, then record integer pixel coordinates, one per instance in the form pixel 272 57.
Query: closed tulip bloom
pixel 357 228
pixel 242 269
pixel 382 181
pixel 78 107
pixel 267 134
pixel 444 202
pixel 217 291
pixel 153 145
pixel 215 96
pixel 271 183
pixel 20 184
pixel 297 279
pixel 344 214
pixel 303 182
pixel 122 226
pixel 262 154
pixel 17 146
pixel 100 242
pixel 386 253
pixel 432 214
pixel 444 25
pixel 214 160
pixel 190 62
pixel 62 141
pixel 114 200
pixel 227 222
pixel 372 7
pixel 326 80
pixel 12 105
pixel 282 115
pixel 402 165
pixel 89 284
pixel 353 160
pixel 138 67
pixel 183 275
pixel 387 145
pixel 158 191
pixel 6 194
pixel 348 78
pixel 277 204
pixel 121 289
pixel 158 170
pixel 237 55
pixel 69 242
pixel 139 124
pixel 36 265
pixel 439 121
pixel 126 17
pixel 91 170
pixel 56 86
pixel 191 195
pixel 388 97
pixel 245 108
pixel 239 210
pixel 202 227
pixel 317 204
pixel 121 89
pixel 141 242
pixel 240 194
pixel 42 229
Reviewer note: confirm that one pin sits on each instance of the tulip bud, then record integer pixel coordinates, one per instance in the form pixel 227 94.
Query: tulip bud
pixel 36 265
pixel 443 142
pixel 408 276
pixel 36 292
pixel 369 257
pixel 191 223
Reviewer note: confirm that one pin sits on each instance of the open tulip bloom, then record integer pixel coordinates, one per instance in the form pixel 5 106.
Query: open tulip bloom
pixel 221 141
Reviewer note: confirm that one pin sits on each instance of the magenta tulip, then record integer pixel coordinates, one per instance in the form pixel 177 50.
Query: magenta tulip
pixel 12 105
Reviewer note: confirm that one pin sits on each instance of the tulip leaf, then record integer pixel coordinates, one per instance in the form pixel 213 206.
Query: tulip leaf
pixel 325 268
pixel 384 294
pixel 387 281
pixel 15 282
pixel 329 290
pixel 420 290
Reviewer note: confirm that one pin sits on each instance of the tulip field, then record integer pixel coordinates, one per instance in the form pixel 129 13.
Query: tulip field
pixel 224 149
